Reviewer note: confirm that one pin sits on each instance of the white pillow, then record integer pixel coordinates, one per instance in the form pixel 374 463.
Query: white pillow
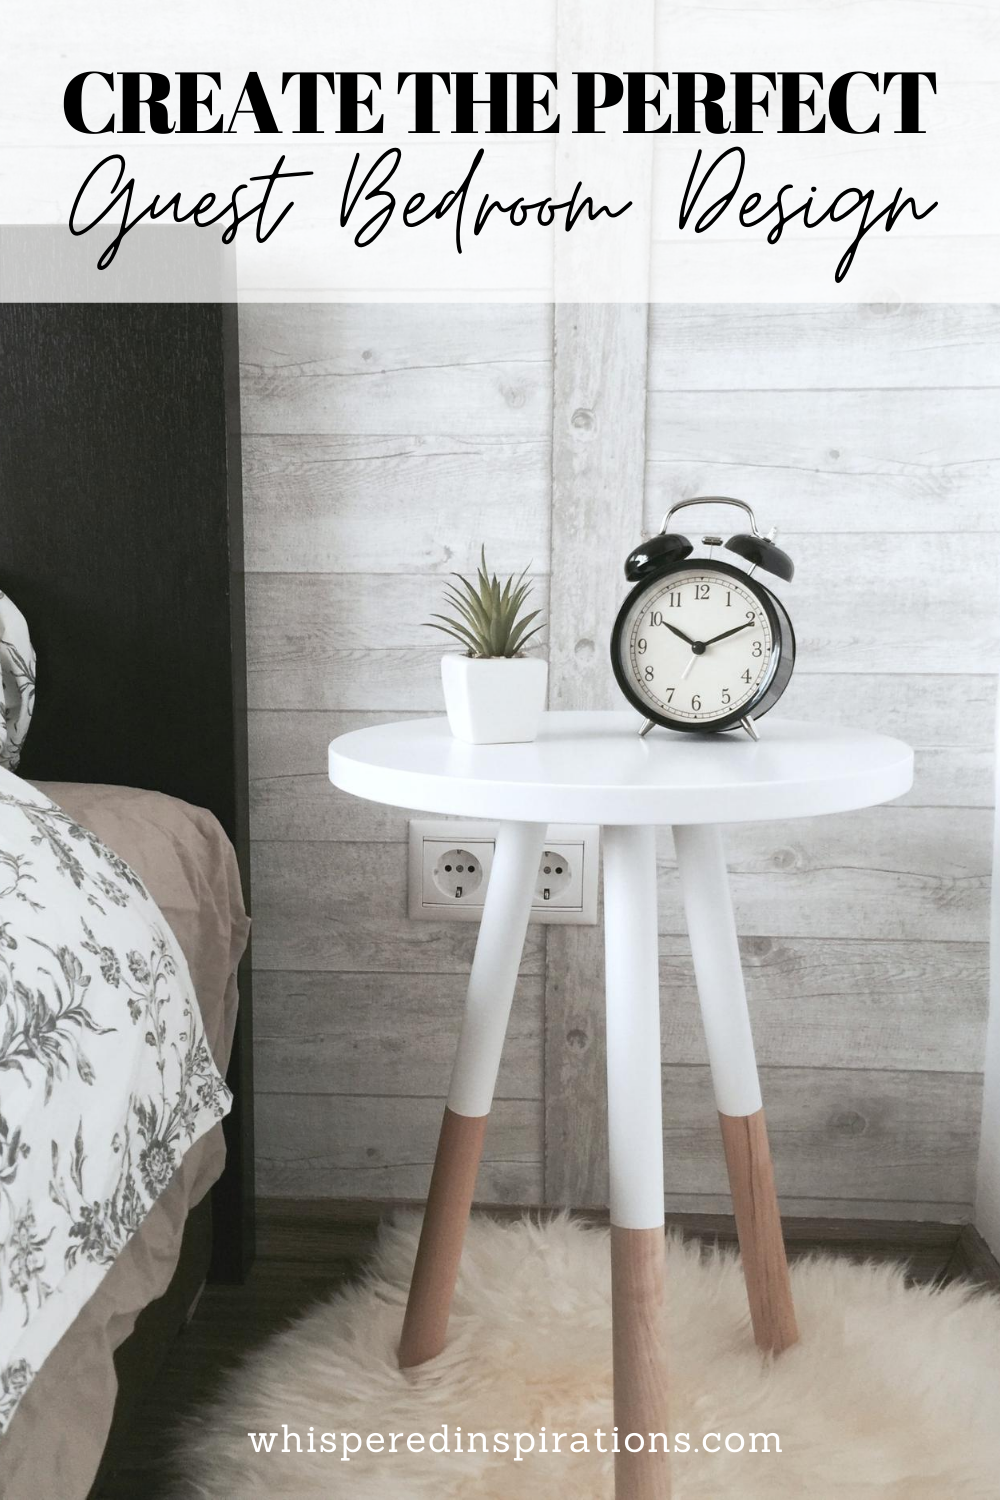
pixel 17 672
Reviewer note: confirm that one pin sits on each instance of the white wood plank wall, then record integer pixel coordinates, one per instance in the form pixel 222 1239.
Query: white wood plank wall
pixel 381 444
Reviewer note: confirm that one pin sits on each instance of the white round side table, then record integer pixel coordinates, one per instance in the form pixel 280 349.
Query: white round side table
pixel 594 768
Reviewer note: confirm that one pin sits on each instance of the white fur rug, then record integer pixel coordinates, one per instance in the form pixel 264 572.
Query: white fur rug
pixel 892 1394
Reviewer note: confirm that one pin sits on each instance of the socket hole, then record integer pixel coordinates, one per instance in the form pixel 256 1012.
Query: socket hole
pixel 553 876
pixel 458 873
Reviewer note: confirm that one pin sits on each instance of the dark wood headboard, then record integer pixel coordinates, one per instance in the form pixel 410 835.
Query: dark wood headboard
pixel 121 540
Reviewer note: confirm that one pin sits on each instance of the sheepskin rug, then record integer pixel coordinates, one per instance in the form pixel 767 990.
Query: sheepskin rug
pixel 892 1394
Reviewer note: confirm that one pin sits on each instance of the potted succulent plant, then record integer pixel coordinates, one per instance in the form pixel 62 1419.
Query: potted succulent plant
pixel 493 692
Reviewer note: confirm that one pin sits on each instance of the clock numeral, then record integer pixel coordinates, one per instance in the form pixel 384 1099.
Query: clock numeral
pixel 729 600
pixel 655 618
pixel 640 645
pixel 670 695
pixel 648 674
pixel 758 649
pixel 696 703
pixel 725 695
pixel 751 615
pixel 701 591
pixel 674 599
pixel 746 675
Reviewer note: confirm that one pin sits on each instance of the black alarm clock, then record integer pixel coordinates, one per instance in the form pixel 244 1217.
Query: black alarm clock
pixel 700 644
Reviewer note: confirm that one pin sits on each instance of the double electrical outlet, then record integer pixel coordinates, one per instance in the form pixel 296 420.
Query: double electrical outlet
pixel 450 864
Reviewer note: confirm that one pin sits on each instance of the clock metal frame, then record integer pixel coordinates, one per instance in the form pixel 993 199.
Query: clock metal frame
pixel 783 653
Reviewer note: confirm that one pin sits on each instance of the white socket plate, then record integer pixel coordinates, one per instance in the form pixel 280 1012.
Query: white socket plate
pixel 576 903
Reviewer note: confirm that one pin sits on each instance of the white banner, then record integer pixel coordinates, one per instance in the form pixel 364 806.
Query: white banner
pixel 571 149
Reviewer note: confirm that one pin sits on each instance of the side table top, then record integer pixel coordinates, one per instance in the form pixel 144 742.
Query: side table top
pixel 593 768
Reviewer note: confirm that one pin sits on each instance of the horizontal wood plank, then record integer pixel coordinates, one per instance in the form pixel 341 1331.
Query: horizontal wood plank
pixel 366 368
pixel 341 641
pixel 359 679
pixel 915 873
pixel 894 603
pixel 394 504
pixel 381 1034
pixel 342 907
pixel 828 461
pixel 836 1133
pixel 892 1139
pixel 842 1003
pixel 296 617
pixel 816 346
pixel 325 1145
pixel 291 796
pixel 948 719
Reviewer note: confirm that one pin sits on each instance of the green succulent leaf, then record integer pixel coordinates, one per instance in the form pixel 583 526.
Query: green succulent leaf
pixel 486 616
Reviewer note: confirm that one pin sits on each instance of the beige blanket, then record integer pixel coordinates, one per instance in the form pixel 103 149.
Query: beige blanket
pixel 54 1444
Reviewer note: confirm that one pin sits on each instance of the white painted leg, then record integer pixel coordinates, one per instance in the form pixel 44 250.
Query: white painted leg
pixel 502 930
pixel 635 1147
pixel 726 1018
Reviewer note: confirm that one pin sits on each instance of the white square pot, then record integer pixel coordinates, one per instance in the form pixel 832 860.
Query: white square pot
pixel 495 700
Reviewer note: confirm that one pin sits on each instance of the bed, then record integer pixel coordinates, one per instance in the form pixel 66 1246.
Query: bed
pixel 121 540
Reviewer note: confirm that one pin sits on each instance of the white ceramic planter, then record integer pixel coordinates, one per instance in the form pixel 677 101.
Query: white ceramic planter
pixel 495 700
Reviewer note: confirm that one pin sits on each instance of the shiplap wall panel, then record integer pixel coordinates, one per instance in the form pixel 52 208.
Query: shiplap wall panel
pixel 380 1034
pixel 835 1133
pixel 382 447
pixel 330 504
pixel 892 1137
pixel 597 496
pixel 370 369
pixel 841 1003
pixel 866 460
pixel 947 718
pixel 904 1140
pixel 768 346
pixel 347 640
pixel 863 433
pixel 342 906
pixel 325 1145
pixel 897 873
pixel 291 797
pixel 382 444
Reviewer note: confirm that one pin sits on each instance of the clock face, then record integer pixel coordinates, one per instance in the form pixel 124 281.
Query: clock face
pixel 697 646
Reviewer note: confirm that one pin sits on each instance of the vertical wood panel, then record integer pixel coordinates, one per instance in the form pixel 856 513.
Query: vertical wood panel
pixel 598 460
pixel 598 451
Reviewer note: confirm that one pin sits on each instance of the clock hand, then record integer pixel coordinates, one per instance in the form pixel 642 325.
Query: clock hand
pixel 735 631
pixel 683 637
pixel 689 666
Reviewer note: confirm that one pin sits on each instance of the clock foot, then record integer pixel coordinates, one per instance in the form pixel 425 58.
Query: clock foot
pixel 647 726
pixel 748 725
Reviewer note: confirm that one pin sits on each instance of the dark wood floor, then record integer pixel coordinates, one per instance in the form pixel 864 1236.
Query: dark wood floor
pixel 307 1250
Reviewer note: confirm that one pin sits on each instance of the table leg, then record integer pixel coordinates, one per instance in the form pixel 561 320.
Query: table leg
pixel 635 1148
pixel 715 949
pixel 502 930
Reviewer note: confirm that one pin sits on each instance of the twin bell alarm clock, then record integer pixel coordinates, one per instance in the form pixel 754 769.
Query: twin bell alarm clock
pixel 701 644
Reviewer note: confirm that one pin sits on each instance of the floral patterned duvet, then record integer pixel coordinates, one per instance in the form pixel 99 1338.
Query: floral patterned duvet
pixel 106 1079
